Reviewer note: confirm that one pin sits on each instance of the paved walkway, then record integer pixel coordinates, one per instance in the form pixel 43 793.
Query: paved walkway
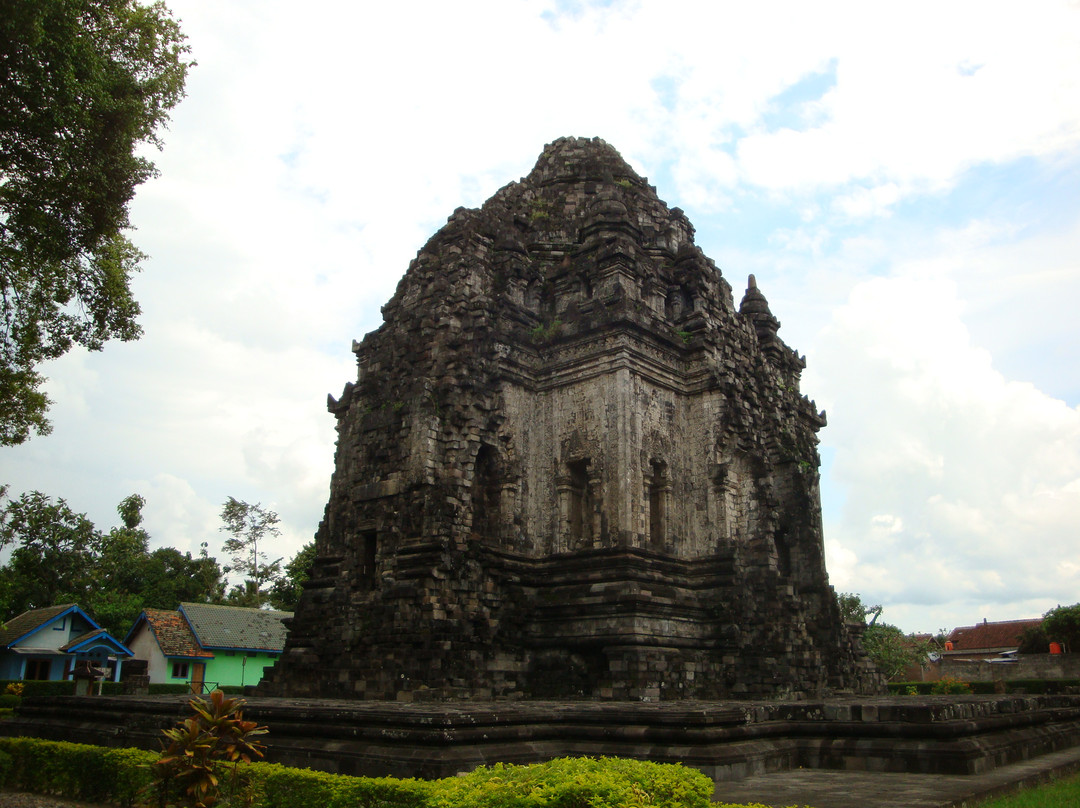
pixel 823 788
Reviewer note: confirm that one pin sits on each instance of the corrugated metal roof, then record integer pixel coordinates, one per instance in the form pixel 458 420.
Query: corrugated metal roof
pixel 235 627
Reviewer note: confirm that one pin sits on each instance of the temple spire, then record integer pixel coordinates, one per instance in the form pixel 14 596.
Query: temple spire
pixel 755 307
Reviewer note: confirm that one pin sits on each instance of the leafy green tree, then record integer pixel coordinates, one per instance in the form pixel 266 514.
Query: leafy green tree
pixel 132 578
pixel 286 591
pixel 854 610
pixel 250 526
pixel 173 577
pixel 1033 640
pixel 83 83
pixel 53 557
pixel 59 556
pixel 891 651
pixel 1063 625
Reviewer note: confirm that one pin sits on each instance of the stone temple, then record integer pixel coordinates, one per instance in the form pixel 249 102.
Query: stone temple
pixel 571 467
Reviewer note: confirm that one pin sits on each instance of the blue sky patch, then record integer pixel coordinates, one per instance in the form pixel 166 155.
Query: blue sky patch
pixel 794 107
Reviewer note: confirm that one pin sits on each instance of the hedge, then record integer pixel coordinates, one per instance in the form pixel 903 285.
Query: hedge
pixel 63 687
pixel 1032 686
pixel 181 689
pixel 74 771
pixel 574 782
pixel 56 687
pixel 98 774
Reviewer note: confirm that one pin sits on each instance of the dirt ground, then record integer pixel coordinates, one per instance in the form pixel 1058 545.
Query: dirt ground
pixel 16 799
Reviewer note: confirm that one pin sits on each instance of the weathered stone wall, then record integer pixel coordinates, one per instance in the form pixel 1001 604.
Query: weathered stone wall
pixel 1026 666
pixel 569 466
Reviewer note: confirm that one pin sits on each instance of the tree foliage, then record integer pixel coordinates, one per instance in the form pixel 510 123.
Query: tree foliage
pixel 1062 625
pixel 1033 640
pixel 250 526
pixel 891 651
pixel 853 610
pixel 59 556
pixel 82 84
pixel 286 591
pixel 52 559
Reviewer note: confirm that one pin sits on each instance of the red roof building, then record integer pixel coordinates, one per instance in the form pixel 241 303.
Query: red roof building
pixel 986 640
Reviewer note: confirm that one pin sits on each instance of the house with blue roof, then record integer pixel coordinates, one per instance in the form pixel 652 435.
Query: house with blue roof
pixel 46 645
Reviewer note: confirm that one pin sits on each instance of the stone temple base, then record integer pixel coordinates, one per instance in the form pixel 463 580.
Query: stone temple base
pixel 725 740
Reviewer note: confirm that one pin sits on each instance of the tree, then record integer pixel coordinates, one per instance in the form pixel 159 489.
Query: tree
pixel 59 556
pixel 120 570
pixel 891 651
pixel 174 577
pixel 1033 640
pixel 1062 625
pixel 248 526
pixel 83 83
pixel 131 578
pixel 286 591
pixel 854 610
pixel 52 561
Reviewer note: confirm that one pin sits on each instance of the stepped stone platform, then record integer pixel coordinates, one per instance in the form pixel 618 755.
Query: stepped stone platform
pixel 729 741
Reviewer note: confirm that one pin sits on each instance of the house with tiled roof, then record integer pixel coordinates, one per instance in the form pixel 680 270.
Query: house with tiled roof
pixel 987 640
pixel 164 640
pixel 46 644
pixel 207 645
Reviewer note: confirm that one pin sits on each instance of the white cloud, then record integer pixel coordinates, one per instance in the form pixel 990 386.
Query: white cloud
pixel 980 476
pixel 316 153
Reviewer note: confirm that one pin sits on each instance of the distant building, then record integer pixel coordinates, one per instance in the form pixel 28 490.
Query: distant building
pixel 46 644
pixel 163 639
pixel 205 646
pixel 987 640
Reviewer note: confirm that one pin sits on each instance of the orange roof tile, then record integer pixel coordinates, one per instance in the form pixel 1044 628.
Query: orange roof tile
pixel 986 636
pixel 173 634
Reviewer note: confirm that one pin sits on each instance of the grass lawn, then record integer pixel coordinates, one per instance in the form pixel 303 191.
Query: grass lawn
pixel 1063 793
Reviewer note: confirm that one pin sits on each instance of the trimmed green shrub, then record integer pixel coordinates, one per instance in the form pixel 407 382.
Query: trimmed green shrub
pixel 59 687
pixel 576 783
pixel 183 689
pixel 75 771
pixel 6 764
pixel 123 777
pixel 1030 686
pixel 278 786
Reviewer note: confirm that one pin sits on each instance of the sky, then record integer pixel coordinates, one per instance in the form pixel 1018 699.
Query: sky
pixel 902 179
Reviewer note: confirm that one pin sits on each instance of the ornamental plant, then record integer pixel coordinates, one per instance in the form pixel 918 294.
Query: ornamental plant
pixel 947 685
pixel 213 742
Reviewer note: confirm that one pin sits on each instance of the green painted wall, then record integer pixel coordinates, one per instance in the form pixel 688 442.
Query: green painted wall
pixel 242 668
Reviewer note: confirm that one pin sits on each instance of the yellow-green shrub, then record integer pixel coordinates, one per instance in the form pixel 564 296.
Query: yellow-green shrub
pixel 278 786
pixel 576 783
pixel 119 777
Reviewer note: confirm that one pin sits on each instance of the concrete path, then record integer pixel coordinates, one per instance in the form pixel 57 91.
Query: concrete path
pixel 822 788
